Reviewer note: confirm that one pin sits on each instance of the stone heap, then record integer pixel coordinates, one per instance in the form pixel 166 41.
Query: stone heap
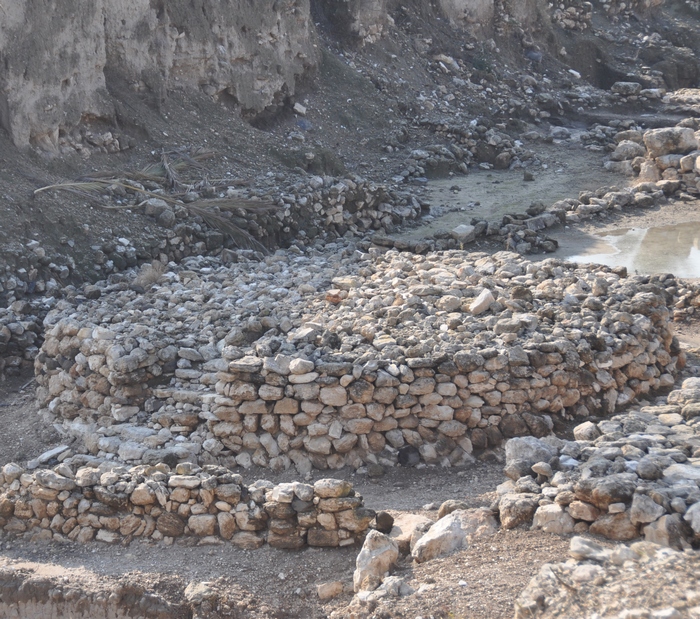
pixel 635 474
pixel 478 142
pixel 590 203
pixel 641 580
pixel 573 15
pixel 669 153
pixel 116 504
pixel 344 357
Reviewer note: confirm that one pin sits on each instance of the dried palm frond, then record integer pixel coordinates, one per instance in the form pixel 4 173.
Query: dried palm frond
pixel 209 210
pixel 85 188
pixel 168 168
pixel 247 204
pixel 92 188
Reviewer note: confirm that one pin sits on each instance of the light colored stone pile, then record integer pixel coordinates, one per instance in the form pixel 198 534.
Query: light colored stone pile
pixel 573 14
pixel 669 153
pixel 640 581
pixel 115 504
pixel 635 474
pixel 477 141
pixel 590 203
pixel 345 357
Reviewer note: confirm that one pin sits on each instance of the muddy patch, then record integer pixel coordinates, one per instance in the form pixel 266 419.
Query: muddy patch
pixel 491 194
pixel 671 248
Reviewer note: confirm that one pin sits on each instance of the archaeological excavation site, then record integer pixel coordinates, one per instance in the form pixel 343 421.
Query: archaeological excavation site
pixel 350 309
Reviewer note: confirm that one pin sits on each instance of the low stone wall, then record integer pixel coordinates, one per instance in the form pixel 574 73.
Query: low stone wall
pixel 668 154
pixel 116 504
pixel 475 350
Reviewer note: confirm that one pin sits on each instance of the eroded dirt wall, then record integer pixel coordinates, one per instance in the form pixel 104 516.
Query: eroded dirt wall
pixel 54 55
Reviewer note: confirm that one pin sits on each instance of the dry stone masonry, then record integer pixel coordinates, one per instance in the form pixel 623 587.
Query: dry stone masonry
pixel 664 154
pixel 346 357
pixel 117 504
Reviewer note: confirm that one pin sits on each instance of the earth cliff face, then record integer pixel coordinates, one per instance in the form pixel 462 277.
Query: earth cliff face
pixel 58 59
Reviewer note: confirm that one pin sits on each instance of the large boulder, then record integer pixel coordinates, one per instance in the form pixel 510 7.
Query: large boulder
pixel 615 526
pixel 692 517
pixel 409 527
pixel 454 532
pixel 528 449
pixel 668 140
pixel 669 530
pixel 604 491
pixel 627 150
pixel 516 508
pixel 553 519
pixel 645 510
pixel 378 555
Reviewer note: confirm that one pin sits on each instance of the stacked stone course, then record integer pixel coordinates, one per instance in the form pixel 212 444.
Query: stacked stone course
pixel 491 363
pixel 116 504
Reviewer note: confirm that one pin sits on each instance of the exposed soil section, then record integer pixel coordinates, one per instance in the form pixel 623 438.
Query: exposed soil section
pixel 24 436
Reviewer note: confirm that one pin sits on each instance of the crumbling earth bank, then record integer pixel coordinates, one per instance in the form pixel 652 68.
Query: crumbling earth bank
pixel 57 57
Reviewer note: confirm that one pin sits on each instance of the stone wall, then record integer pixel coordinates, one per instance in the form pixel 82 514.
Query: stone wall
pixel 115 504
pixel 670 154
pixel 328 374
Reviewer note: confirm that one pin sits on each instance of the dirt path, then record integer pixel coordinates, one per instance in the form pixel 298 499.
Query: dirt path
pixel 24 436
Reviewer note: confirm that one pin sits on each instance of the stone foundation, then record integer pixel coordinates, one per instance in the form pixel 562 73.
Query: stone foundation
pixel 485 348
pixel 115 504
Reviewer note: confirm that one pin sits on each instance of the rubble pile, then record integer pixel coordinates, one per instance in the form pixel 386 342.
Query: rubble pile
pixel 116 504
pixel 640 580
pixel 668 153
pixel 634 474
pixel 345 357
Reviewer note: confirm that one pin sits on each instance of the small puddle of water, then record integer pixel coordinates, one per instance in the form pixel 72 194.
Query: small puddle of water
pixel 664 249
